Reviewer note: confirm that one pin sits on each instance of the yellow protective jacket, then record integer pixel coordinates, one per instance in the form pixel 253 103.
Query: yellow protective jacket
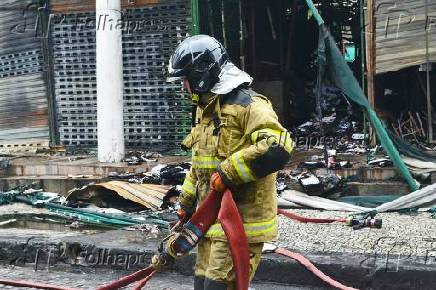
pixel 239 136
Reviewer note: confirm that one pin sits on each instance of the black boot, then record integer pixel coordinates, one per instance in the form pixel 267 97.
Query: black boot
pixel 198 283
pixel 214 285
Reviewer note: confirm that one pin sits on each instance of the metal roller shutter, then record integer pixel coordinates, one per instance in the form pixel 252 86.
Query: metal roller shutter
pixel 156 114
pixel 23 98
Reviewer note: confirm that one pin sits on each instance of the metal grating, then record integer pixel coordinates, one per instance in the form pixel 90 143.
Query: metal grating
pixel 23 101
pixel 156 116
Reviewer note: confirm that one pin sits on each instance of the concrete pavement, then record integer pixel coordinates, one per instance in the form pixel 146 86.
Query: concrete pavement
pixel 89 279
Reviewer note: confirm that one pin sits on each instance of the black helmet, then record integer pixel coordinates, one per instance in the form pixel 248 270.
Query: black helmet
pixel 200 59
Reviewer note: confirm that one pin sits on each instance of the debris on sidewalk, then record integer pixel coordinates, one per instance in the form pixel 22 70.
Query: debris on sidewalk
pixel 121 195
pixel 172 174
pixel 138 157
pixel 320 184
pixel 409 126
pixel 282 181
pixel 78 218
pixel 380 162
pixel 333 162
pixel 424 198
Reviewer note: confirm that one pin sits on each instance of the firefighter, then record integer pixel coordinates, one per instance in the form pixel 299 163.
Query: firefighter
pixel 237 143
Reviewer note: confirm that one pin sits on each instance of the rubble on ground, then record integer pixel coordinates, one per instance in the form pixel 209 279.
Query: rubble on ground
pixel 77 215
pixel 172 174
pixel 138 157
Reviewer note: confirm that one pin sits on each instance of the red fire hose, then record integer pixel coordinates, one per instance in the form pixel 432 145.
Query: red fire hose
pixel 309 220
pixel 144 281
pixel 206 214
pixel 126 280
pixel 312 268
pixel 233 227
pixel 22 283
pixel 224 208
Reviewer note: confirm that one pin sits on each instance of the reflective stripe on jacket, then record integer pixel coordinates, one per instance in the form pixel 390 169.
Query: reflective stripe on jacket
pixel 239 136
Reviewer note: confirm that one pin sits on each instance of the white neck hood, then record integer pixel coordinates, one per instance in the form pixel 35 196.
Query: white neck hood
pixel 230 78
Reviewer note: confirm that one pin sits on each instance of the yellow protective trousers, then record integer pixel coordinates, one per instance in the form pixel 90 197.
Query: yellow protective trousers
pixel 214 261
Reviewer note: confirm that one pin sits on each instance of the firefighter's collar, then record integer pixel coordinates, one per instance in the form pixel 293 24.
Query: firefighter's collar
pixel 207 99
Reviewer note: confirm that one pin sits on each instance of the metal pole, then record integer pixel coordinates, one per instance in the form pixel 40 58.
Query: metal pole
pixel 370 46
pixel 47 53
pixel 223 23
pixel 241 37
pixel 253 38
pixel 210 18
pixel 321 69
pixel 195 17
pixel 109 58
pixel 362 41
pixel 427 61
pixel 363 62
pixel 371 61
